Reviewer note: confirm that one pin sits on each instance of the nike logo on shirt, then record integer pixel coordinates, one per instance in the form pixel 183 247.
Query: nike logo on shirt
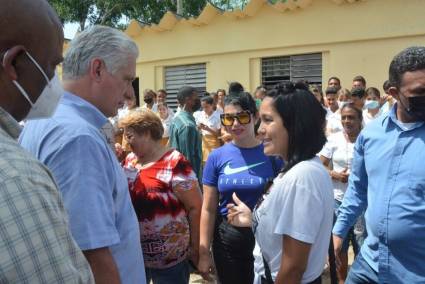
pixel 229 171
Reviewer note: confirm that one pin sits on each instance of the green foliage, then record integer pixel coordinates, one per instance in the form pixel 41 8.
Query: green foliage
pixel 90 12
pixel 229 4
pixel 192 8
pixel 149 11
pixel 111 12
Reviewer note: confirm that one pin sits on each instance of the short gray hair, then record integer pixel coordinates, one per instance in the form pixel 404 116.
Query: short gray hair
pixel 111 45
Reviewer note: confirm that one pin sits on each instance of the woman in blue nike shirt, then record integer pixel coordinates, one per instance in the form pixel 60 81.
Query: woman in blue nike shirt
pixel 239 167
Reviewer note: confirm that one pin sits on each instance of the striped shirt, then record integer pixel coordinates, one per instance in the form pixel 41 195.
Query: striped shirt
pixel 35 243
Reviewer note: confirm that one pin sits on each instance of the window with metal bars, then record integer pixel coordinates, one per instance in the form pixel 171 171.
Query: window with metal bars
pixel 306 67
pixel 184 75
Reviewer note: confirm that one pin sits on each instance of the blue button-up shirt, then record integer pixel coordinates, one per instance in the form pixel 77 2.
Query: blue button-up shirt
pixel 92 182
pixel 388 180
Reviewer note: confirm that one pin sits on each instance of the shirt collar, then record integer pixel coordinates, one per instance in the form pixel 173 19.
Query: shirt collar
pixel 392 119
pixel 186 113
pixel 9 124
pixel 86 110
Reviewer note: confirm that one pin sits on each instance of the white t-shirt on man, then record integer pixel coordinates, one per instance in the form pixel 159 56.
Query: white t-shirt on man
pixel 300 205
pixel 340 151
pixel 333 124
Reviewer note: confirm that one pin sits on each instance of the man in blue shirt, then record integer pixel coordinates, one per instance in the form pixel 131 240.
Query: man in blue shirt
pixel 98 70
pixel 388 180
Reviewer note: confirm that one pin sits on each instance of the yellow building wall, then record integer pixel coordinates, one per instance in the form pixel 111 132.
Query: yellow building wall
pixel 354 37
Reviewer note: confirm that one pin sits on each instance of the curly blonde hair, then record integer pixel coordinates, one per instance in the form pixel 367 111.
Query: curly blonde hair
pixel 142 122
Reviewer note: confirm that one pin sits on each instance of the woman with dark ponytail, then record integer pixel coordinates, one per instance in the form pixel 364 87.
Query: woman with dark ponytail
pixel 292 225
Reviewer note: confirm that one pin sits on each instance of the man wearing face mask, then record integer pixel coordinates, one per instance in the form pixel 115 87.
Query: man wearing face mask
pixel 388 180
pixel 36 245
pixel 98 70
pixel 184 135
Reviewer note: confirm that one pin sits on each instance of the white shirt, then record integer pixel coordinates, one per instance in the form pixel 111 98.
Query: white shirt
pixel 334 124
pixel 258 264
pixel 212 121
pixel 197 115
pixel 166 123
pixel 154 107
pixel 170 112
pixel 367 117
pixel 340 151
pixel 122 112
pixel 300 205
pixel 328 112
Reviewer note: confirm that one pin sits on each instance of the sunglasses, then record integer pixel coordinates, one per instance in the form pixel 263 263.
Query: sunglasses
pixel 243 117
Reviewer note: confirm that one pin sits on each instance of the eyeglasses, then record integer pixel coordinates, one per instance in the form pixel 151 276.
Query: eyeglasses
pixel 243 117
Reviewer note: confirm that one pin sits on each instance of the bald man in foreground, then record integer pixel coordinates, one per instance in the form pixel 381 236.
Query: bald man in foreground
pixel 36 245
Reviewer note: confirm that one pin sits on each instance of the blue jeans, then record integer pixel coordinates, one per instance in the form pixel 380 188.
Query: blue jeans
pixel 361 272
pixel 177 274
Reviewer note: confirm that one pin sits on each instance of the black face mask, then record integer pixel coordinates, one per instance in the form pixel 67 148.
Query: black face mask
pixel 416 107
pixel 148 101
pixel 196 106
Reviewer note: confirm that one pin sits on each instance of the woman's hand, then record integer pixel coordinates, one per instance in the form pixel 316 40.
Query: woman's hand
pixel 239 215
pixel 205 266
pixel 226 137
pixel 194 254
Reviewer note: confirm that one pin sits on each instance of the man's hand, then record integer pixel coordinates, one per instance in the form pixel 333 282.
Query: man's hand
pixel 341 176
pixel 337 249
pixel 103 266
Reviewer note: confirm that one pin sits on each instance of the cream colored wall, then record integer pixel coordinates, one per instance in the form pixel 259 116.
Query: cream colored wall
pixel 354 38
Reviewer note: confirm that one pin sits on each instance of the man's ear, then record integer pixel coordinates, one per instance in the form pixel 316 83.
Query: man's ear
pixel 393 91
pixel 96 69
pixel 9 61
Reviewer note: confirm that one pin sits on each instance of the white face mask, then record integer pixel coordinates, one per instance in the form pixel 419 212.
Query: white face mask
pixel 341 104
pixel 371 104
pixel 48 100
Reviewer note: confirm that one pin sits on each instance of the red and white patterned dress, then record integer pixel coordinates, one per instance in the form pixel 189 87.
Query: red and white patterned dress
pixel 164 226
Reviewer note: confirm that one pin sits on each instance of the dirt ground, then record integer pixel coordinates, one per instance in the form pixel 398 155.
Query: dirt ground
pixel 196 279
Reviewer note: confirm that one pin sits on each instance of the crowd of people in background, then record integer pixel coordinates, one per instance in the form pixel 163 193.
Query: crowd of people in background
pixel 261 187
pixel 200 124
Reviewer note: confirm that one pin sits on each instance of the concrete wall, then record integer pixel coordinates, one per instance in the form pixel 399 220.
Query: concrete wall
pixel 355 38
